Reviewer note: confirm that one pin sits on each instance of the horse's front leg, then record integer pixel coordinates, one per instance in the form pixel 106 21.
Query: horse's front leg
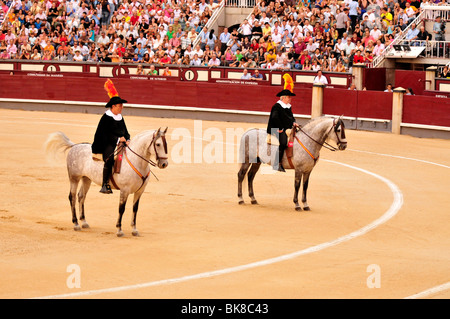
pixel 305 188
pixel 122 204
pixel 137 197
pixel 298 179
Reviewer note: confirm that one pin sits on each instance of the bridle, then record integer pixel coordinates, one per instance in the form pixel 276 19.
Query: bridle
pixel 153 142
pixel 336 126
pixel 149 161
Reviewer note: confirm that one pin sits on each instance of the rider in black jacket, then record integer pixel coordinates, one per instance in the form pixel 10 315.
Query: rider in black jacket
pixel 281 118
pixel 111 131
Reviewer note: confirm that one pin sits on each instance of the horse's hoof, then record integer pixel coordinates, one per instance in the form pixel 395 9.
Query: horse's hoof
pixel 135 233
pixel 119 233
pixel 298 208
pixel 76 227
pixel 254 202
pixel 85 225
pixel 241 202
pixel 306 208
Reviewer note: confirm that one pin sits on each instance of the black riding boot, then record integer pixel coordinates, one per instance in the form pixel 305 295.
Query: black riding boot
pixel 279 167
pixel 280 159
pixel 106 188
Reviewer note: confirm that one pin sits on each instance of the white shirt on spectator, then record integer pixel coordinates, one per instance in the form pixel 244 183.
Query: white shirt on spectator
pixel 321 79
pixel 375 33
pixel 272 65
pixel 103 40
pixel 214 62
pixel 276 37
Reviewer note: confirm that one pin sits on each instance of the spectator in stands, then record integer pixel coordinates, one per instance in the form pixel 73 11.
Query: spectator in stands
pixel 196 61
pixel 245 75
pixel 354 12
pixel 320 78
pixel 340 67
pixel 224 38
pixel 198 51
pixel 25 55
pixel 367 37
pixel 204 35
pixel 167 71
pixel 256 30
pixel 211 40
pixel 444 73
pixel 368 57
pixel 272 65
pixel 349 47
pixel 386 18
pixel 423 35
pixel 388 88
pixel 214 61
pixel 257 76
pixel 4 55
pixel 378 49
pixel 35 55
pixel 358 58
pixel 12 49
pixel 306 66
pixel 152 70
pixel 106 11
pixel 342 22
pixel 437 30
pixel 285 65
pixel 246 28
pixel 412 34
pixel 409 91
pixel 78 57
pixel 411 12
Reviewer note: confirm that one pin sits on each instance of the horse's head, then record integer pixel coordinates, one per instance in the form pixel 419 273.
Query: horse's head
pixel 160 147
pixel 337 133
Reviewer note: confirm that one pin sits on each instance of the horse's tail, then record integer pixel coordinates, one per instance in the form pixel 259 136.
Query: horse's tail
pixel 241 156
pixel 248 147
pixel 56 143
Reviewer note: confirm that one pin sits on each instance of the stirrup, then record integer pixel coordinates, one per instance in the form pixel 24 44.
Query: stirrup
pixel 106 189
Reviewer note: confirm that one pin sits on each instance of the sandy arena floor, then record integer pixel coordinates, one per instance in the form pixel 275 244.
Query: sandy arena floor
pixel 380 214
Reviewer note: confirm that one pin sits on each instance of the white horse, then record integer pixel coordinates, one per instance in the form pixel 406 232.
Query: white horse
pixel 308 142
pixel 132 179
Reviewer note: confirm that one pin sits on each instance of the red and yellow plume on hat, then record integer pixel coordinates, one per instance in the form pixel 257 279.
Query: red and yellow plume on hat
pixel 111 89
pixel 288 83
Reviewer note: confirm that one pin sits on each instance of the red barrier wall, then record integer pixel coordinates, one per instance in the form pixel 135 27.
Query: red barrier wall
pixel 375 105
pixel 137 91
pixel 410 79
pixel 374 79
pixel 340 102
pixel 426 110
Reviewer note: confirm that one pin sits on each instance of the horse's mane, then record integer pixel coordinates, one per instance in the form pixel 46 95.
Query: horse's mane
pixel 316 121
pixel 144 134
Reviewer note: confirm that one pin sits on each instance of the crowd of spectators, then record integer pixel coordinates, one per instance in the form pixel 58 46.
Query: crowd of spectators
pixel 326 35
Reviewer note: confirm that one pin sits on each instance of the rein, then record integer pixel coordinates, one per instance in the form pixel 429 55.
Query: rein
pixel 149 161
pixel 325 144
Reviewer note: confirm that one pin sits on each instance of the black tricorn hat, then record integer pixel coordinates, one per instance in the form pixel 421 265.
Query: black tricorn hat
pixel 115 100
pixel 285 92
